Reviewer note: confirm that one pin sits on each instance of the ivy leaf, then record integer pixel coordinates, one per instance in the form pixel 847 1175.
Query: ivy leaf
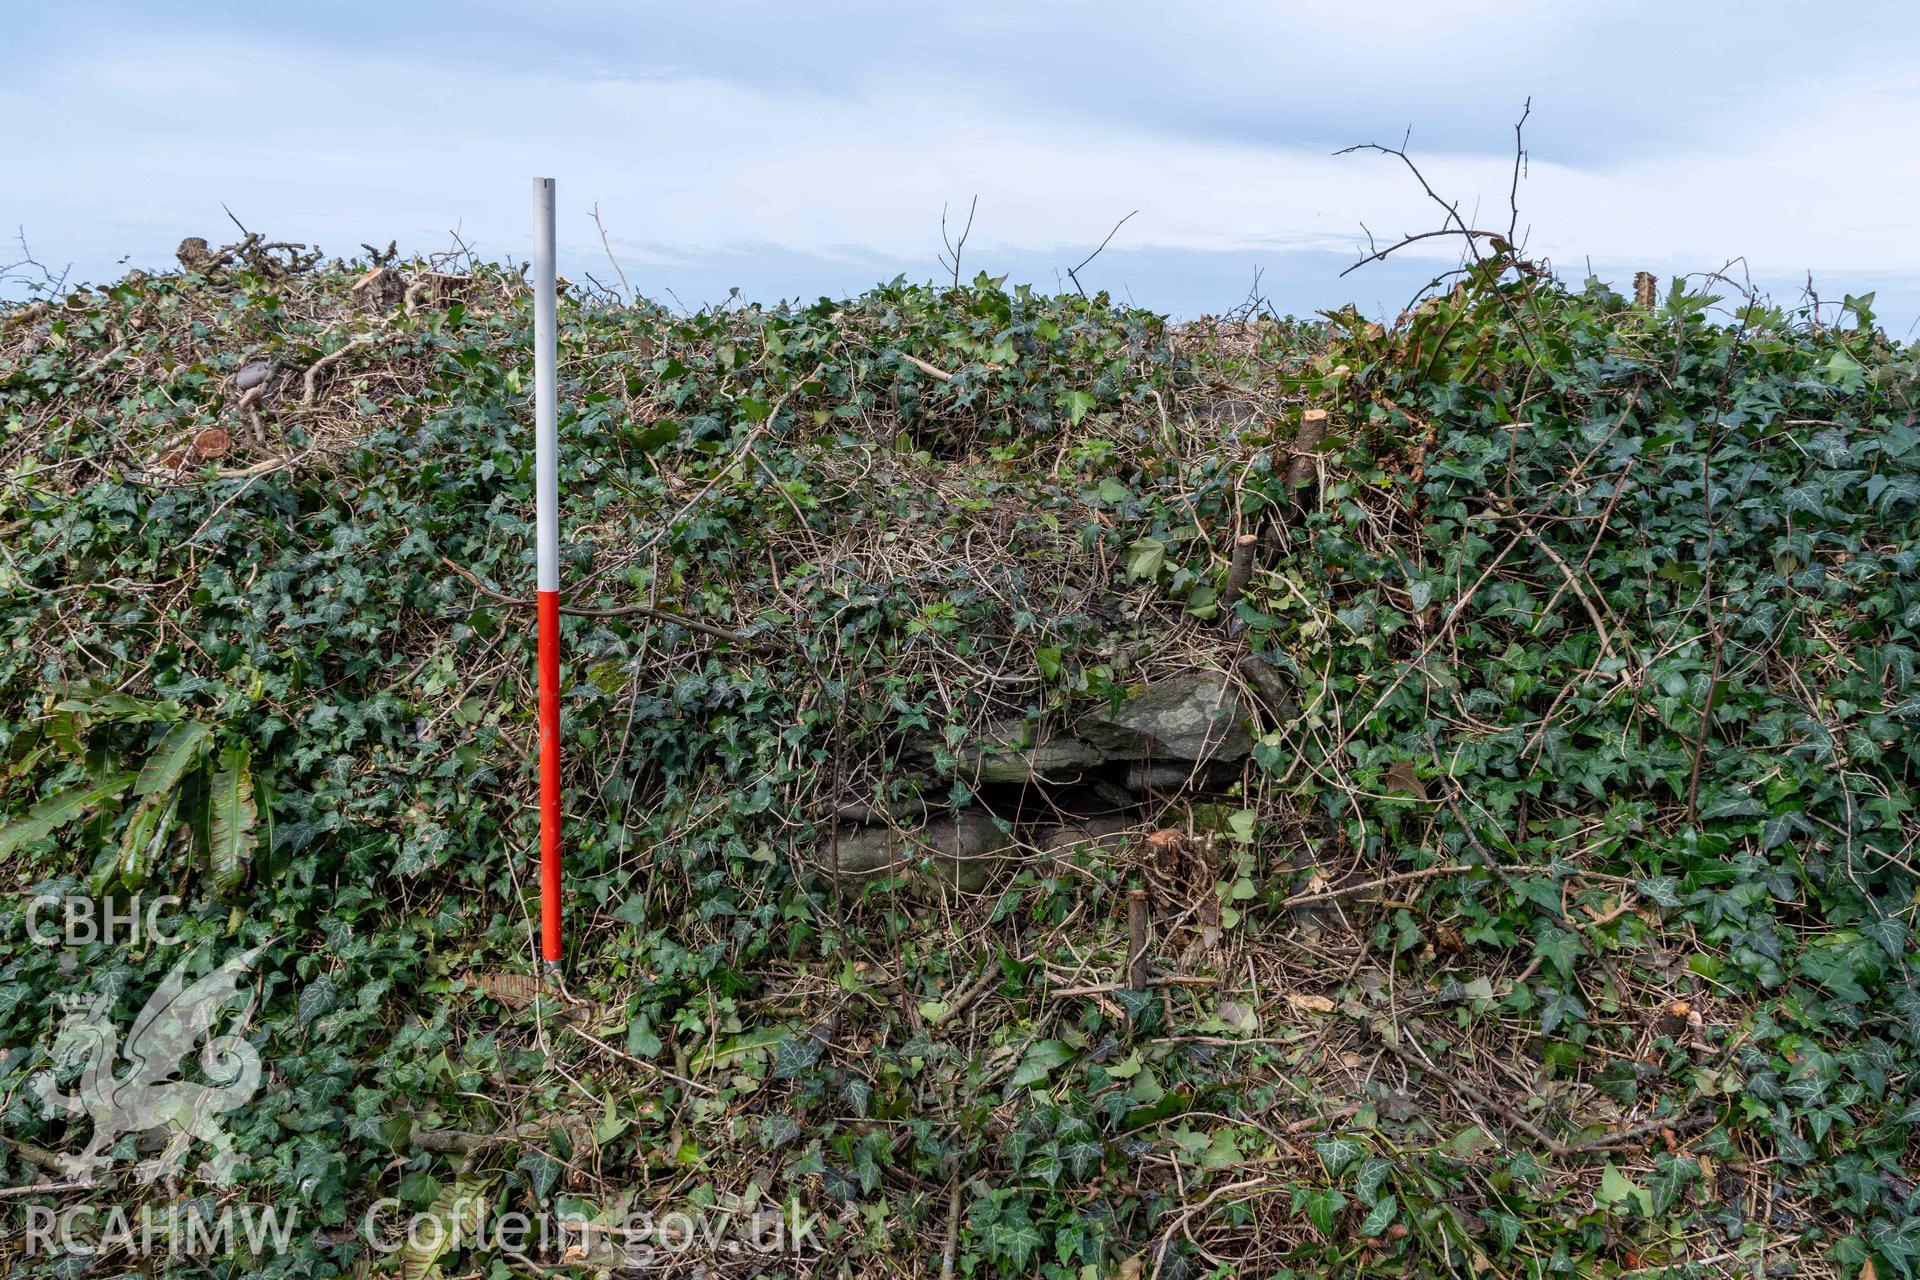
pixel 1338 1152
pixel 1017 1241
pixel 1662 891
pixel 1323 1205
pixel 777 1131
pixel 1890 932
pixel 1083 1155
pixel 1382 1216
pixel 1885 492
pixel 317 999
pixel 1373 1175
pixel 1223 1151
pixel 642 1041
pixel 1843 369
pixel 1819 743
pixel 1558 947
pixel 1146 558
pixel 1542 891
pixel 1077 404
pixel 795 1056
pixel 865 1168
pixel 1040 1059
pixel 812 1160
pixel 1618 1191
pixel 1732 805
pixel 1775 830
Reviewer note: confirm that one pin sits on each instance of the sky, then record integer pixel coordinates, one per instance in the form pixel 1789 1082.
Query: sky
pixel 793 150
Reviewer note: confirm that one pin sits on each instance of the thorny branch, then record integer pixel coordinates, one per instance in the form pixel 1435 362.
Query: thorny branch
pixel 42 282
pixel 1453 224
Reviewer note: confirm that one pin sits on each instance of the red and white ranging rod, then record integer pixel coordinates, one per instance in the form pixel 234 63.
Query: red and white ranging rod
pixel 546 504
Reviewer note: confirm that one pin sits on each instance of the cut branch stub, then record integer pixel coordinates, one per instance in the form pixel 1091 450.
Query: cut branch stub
pixel 1302 473
pixel 1137 939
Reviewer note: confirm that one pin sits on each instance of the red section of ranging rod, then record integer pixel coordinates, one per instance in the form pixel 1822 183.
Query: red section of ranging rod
pixel 549 608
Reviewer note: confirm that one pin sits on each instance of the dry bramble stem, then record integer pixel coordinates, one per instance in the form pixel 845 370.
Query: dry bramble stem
pixel 311 385
pixel 932 371
pixel 1348 891
pixel 617 611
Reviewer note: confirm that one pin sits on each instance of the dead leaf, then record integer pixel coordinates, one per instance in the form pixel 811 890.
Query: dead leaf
pixel 212 442
pixel 1401 777
pixel 1239 1015
pixel 1310 1004
pixel 515 990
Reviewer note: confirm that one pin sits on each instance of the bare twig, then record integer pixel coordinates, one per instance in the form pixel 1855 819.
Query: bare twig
pixel 1472 1095
pixel 1580 592
pixel 1379 255
pixel 951 258
pixel 35 1155
pixel 48 1188
pixel 1519 164
pixel 951 1246
pixel 598 226
pixel 1073 273
pixel 652 1067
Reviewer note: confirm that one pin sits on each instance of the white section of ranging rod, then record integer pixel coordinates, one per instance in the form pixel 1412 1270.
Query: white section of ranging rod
pixel 546 444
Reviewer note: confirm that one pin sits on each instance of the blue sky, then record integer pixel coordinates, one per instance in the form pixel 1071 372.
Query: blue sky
pixel 794 150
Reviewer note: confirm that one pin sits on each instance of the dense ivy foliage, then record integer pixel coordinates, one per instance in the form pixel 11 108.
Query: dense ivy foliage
pixel 1634 596
pixel 1594 627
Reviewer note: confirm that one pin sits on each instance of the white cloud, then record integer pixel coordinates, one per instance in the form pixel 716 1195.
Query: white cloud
pixel 342 149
